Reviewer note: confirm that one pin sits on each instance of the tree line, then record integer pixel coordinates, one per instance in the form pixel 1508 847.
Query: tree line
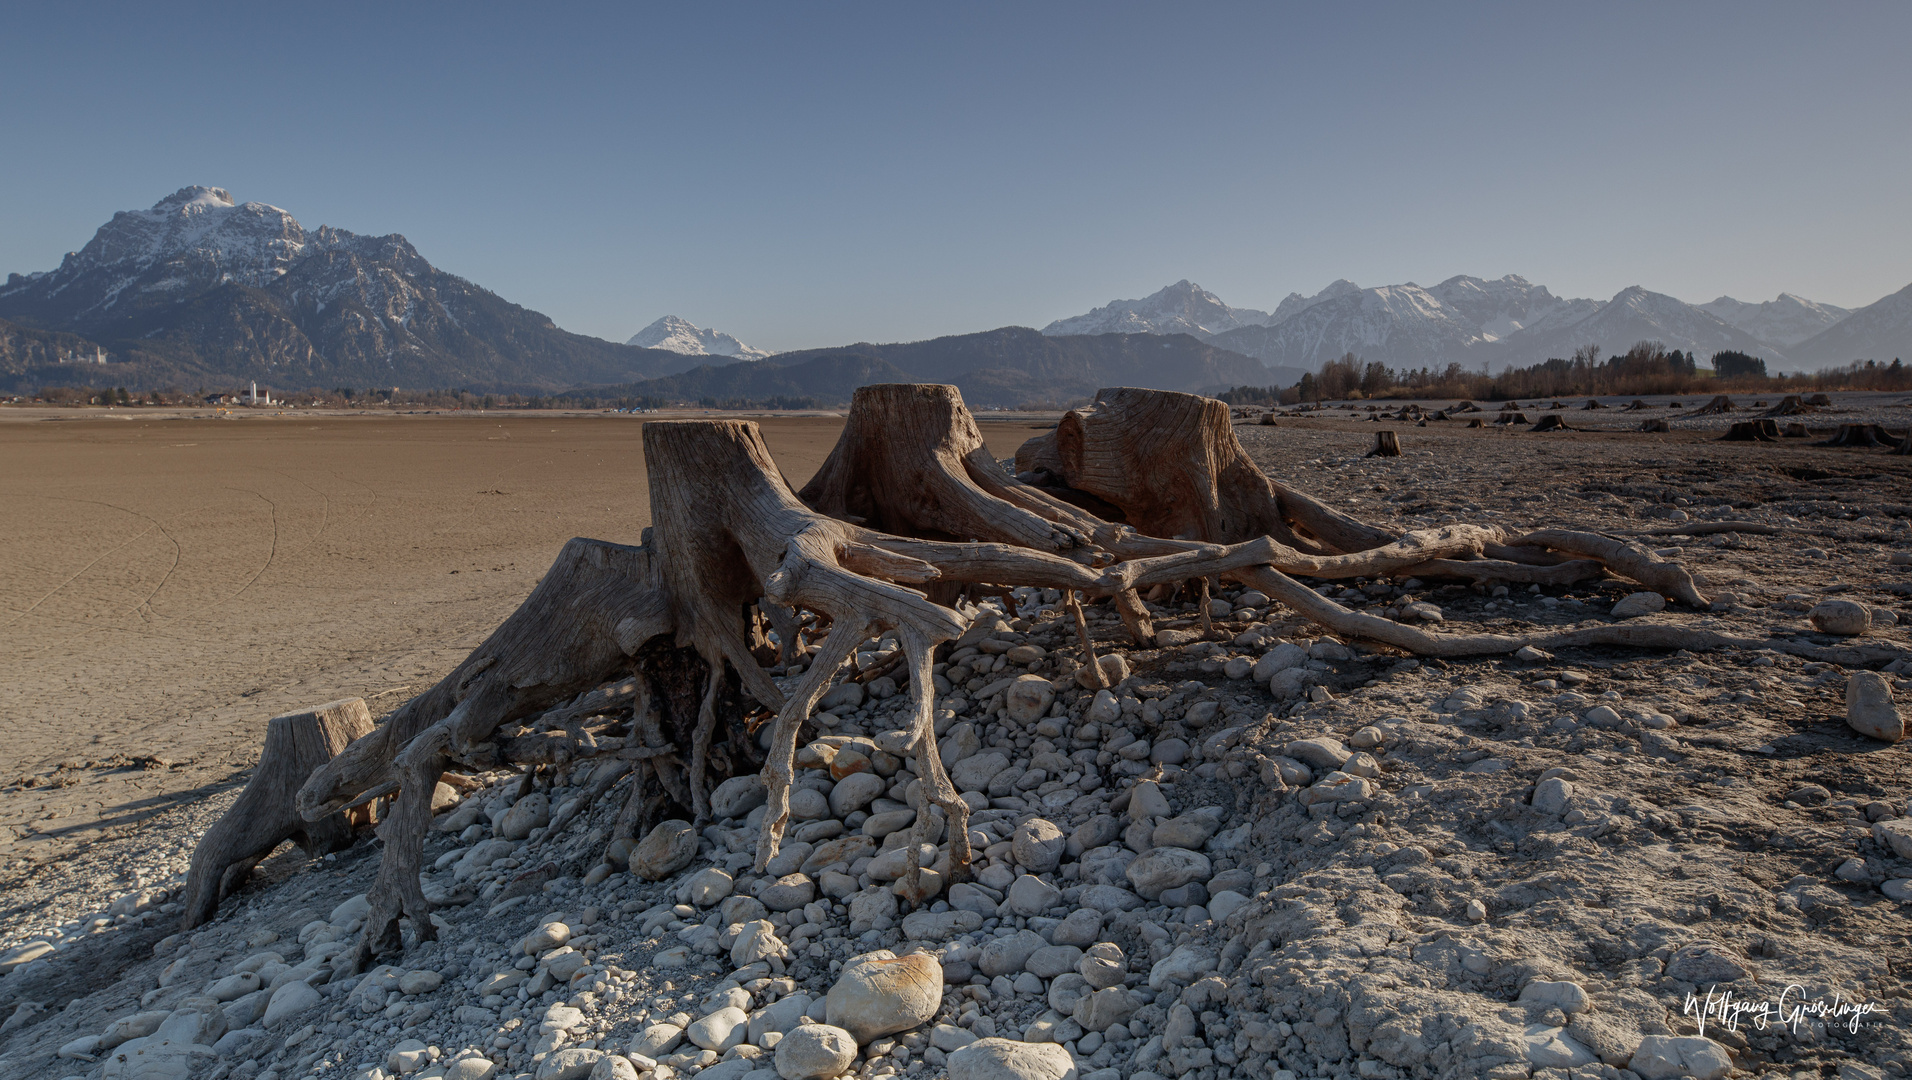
pixel 1646 368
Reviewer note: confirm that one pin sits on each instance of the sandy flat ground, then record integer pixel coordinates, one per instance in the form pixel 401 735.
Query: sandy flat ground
pixel 170 580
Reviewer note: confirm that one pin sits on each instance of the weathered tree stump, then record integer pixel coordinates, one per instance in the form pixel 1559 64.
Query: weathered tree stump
pixel 1386 444
pixel 1593 403
pixel 1476 422
pixel 1790 405
pixel 1511 418
pixel 1636 405
pixel 1655 425
pixel 1551 422
pixel 1751 431
pixel 1720 404
pixel 296 745
pixel 1860 435
pixel 1795 431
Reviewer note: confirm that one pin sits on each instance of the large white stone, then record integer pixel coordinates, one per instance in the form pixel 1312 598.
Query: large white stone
pixel 720 1030
pixel 1163 868
pixel 664 850
pixel 1664 1057
pixel 289 1001
pixel 1869 707
pixel 1028 699
pixel 880 994
pixel 531 812
pixel 815 1052
pixel 1004 1059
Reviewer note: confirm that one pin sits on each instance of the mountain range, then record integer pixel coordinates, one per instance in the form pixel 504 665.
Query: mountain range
pixel 673 333
pixel 201 290
pixel 1505 321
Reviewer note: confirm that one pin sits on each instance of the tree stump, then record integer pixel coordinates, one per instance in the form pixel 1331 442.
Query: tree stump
pixel 1636 405
pixel 1655 425
pixel 265 815
pixel 1751 431
pixel 1592 403
pixel 1385 445
pixel 1511 418
pixel 1904 447
pixel 1795 431
pixel 1859 435
pixel 1551 422
pixel 1720 404
pixel 1790 405
pixel 1476 422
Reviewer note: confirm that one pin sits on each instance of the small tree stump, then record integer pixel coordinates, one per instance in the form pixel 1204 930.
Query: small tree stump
pixel 1512 418
pixel 1719 404
pixel 1385 445
pixel 1592 403
pixel 1795 431
pixel 1655 425
pixel 1477 422
pixel 1551 423
pixel 265 816
pixel 1905 446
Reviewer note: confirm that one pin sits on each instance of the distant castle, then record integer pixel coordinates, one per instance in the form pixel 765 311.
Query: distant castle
pixel 77 356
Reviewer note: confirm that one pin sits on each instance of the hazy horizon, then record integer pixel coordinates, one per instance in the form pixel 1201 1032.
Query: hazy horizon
pixel 804 178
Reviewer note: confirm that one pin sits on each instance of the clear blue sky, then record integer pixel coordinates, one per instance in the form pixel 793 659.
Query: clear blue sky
pixel 812 174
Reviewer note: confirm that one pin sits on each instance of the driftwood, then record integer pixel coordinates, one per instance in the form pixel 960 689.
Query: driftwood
pixel 296 745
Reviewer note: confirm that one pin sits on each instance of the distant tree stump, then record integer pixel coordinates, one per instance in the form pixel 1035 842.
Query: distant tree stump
pixel 1791 405
pixel 1592 403
pixel 1476 422
pixel 1752 431
pixel 1512 418
pixel 1268 418
pixel 1385 445
pixel 265 816
pixel 1655 425
pixel 1904 448
pixel 1859 435
pixel 1795 431
pixel 1551 423
pixel 1636 405
pixel 1719 404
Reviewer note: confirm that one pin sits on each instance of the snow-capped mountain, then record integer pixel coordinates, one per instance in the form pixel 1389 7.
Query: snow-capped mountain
pixel 1393 324
pixel 1507 305
pixel 1181 308
pixel 1787 320
pixel 1882 331
pixel 1469 320
pixel 1633 315
pixel 1295 303
pixel 199 288
pixel 679 336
